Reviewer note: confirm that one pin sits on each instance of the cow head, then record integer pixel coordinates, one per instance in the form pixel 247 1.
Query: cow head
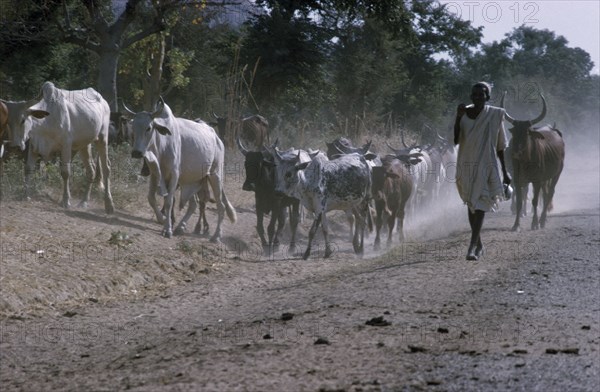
pixel 288 166
pixel 259 167
pixel 522 131
pixel 342 146
pixel 21 118
pixel 119 129
pixel 220 124
pixel 145 124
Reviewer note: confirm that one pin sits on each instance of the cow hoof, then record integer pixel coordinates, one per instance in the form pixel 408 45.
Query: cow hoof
pixel 479 251
pixel 516 229
pixel 215 240
pixel 266 251
pixel 471 253
pixel 328 252
pixel 179 231
pixel 291 250
pixel 376 246
pixel 109 207
pixel 306 254
pixel 83 204
pixel 66 204
pixel 167 233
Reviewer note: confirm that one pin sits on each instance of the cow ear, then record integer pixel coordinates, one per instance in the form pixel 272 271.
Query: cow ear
pixel 162 130
pixel 370 156
pixel 415 161
pixel 536 134
pixel 37 113
pixel 301 166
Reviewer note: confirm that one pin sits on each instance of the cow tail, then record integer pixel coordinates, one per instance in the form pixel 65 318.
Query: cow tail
pixel 229 209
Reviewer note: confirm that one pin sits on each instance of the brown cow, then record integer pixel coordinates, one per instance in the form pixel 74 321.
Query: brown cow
pixel 253 130
pixel 538 157
pixel 392 185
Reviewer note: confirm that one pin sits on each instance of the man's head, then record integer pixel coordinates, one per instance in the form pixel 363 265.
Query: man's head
pixel 481 93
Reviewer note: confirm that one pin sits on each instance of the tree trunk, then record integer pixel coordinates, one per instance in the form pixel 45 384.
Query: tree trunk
pixel 152 82
pixel 107 77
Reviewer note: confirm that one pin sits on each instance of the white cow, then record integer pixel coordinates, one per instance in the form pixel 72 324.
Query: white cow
pixel 322 185
pixel 180 152
pixel 70 122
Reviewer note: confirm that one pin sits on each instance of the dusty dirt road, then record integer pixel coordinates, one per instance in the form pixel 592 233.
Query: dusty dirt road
pixel 146 313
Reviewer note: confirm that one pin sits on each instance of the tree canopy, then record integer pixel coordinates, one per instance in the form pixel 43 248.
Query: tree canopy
pixel 345 66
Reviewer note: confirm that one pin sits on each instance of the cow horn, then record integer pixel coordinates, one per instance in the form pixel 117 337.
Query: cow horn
pixel 365 148
pixel 541 116
pixel 507 116
pixel 32 102
pixel 439 136
pixel 272 146
pixel 243 150
pixel 402 136
pixel 395 150
pixel 216 116
pixel 160 104
pixel 127 110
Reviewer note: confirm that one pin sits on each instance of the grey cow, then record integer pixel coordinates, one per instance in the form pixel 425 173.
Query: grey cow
pixel 322 185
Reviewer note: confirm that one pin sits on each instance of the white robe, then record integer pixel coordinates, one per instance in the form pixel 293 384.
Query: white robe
pixel 478 176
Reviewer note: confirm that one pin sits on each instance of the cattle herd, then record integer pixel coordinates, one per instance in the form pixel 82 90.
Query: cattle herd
pixel 190 156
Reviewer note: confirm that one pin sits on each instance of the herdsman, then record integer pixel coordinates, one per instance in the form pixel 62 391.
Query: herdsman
pixel 479 132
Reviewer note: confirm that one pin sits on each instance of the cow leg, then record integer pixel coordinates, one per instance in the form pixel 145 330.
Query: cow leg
pixel 525 198
pixel 278 217
pixel 359 232
pixel 350 217
pixel 216 183
pixel 102 147
pixel 534 204
pixel 271 231
pixel 519 207
pixel 311 235
pixel 260 228
pixel 391 222
pixel 280 225
pixel 202 224
pixel 547 199
pixel 88 163
pixel 192 204
pixel 294 219
pixel 378 224
pixel 169 201
pixel 65 173
pixel 325 228
pixel 401 216
pixel 203 196
pixel 153 185
pixel 98 179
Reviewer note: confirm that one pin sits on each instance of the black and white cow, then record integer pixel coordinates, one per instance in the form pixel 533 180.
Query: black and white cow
pixel 322 185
